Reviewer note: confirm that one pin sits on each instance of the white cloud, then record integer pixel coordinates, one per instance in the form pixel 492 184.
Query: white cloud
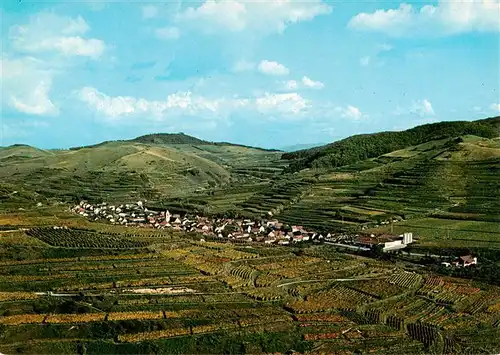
pixel 304 83
pixel 447 17
pixel 149 11
pixel 422 108
pixel 350 112
pixel 373 58
pixel 289 103
pixel 263 17
pixel 117 106
pixel 69 46
pixel 47 32
pixel 291 85
pixel 272 68
pixel 167 33
pixel 495 107
pixel 307 82
pixel 187 104
pixel 242 66
pixel 26 86
pixel 365 61
pixel 38 103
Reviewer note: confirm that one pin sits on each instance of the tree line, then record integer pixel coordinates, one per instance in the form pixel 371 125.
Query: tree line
pixel 365 146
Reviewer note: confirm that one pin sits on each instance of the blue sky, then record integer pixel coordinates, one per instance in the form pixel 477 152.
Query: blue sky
pixel 266 73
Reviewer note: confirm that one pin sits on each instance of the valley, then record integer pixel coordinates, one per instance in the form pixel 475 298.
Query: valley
pixel 77 276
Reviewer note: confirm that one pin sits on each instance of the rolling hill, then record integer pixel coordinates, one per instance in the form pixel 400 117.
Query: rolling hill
pixel 174 139
pixel 125 170
pixel 449 178
pixel 365 146
pixel 355 183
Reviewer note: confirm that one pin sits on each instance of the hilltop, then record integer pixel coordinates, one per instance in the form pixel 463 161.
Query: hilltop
pixel 365 146
pixel 174 139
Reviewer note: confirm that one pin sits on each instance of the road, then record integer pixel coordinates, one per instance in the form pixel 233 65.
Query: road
pixel 347 246
pixel 52 294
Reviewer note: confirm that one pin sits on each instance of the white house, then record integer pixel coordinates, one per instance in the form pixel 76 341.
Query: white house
pixel 466 260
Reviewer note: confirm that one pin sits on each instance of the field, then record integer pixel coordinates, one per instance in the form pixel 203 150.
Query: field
pixel 80 291
pixel 451 233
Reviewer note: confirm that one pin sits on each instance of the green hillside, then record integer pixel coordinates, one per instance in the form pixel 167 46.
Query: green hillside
pixel 448 179
pixel 365 146
pixel 19 152
pixel 174 139
pixel 168 138
pixel 128 170
pixel 454 176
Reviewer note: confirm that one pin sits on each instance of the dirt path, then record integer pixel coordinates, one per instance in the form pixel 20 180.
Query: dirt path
pixel 337 280
pixel 145 151
pixel 159 156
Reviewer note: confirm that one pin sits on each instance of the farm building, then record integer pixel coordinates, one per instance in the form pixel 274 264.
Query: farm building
pixel 466 260
pixel 388 241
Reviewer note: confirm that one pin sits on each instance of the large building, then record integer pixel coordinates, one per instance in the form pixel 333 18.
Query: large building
pixel 388 241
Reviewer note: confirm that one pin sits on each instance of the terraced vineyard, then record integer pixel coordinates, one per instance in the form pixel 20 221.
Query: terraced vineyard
pixel 175 293
pixel 71 238
pixel 274 197
pixel 412 183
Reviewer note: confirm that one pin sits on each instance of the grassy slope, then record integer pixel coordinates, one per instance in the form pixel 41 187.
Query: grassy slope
pixel 361 147
pixel 125 170
pixel 446 177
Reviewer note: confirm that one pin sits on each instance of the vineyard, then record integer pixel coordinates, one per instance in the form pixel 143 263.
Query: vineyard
pixel 70 238
pixel 337 297
pixel 102 292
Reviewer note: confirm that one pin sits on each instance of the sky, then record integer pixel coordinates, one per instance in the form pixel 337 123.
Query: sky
pixel 268 73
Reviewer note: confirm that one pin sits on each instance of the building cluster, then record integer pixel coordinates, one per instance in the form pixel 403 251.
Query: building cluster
pixel 463 261
pixel 388 242
pixel 265 231
pixel 366 242
pixel 245 230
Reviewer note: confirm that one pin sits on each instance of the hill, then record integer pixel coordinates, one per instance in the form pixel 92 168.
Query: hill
pixel 365 146
pixel 127 170
pixel 452 175
pixel 168 138
pixel 449 179
pixel 173 139
pixel 456 175
pixel 21 151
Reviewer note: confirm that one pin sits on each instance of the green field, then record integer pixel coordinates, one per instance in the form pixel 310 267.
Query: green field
pixel 176 294
pixel 449 233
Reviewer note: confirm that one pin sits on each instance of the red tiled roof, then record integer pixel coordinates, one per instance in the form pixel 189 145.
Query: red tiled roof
pixel 467 258
pixel 367 240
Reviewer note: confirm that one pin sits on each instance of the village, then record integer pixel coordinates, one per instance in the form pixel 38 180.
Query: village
pixel 269 232
pixel 243 230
